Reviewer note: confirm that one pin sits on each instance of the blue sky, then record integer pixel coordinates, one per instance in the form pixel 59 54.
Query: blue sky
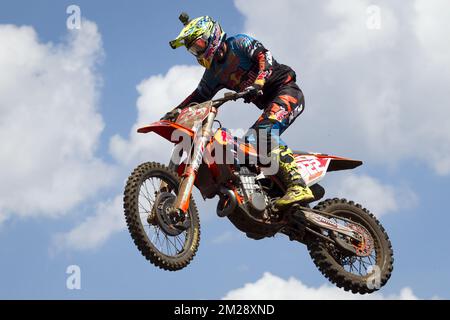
pixel 380 97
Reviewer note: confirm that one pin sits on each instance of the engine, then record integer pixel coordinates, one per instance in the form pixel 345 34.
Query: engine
pixel 253 193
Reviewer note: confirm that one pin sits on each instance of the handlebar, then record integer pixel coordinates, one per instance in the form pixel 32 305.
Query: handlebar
pixel 228 96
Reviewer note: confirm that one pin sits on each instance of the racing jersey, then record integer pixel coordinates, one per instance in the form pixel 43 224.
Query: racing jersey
pixel 246 62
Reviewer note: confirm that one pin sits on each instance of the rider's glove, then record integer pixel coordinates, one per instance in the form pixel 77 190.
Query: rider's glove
pixel 252 92
pixel 171 115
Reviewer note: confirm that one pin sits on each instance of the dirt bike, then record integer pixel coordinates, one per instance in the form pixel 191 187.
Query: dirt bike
pixel 346 242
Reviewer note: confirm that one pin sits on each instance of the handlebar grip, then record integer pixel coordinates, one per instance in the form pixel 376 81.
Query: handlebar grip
pixel 228 94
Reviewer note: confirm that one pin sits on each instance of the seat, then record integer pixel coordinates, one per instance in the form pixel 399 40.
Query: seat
pixel 302 153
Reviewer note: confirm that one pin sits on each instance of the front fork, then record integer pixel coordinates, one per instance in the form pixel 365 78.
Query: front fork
pixel 183 198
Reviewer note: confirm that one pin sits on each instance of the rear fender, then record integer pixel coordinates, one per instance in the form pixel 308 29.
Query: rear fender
pixel 313 167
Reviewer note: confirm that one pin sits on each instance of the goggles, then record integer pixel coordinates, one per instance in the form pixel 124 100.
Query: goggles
pixel 198 46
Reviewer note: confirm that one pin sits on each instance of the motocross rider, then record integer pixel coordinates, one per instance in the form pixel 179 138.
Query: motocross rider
pixel 242 63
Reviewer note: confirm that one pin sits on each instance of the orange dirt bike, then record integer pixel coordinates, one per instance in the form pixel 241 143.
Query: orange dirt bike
pixel 346 242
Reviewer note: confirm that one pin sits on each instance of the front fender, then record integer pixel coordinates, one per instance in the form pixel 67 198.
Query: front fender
pixel 168 130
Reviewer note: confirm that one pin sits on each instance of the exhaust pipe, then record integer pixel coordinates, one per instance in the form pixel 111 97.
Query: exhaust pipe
pixel 226 194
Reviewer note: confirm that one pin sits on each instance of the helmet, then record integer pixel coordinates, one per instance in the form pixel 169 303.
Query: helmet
pixel 201 36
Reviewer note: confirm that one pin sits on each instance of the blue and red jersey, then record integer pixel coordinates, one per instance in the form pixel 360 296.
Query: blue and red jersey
pixel 246 62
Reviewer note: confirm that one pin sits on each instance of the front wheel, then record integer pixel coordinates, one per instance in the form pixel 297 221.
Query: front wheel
pixel 149 195
pixel 362 268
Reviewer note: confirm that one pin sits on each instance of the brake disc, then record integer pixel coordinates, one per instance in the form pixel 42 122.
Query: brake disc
pixel 163 203
pixel 365 247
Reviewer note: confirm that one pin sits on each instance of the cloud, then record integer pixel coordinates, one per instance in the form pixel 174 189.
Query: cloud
pixel 433 19
pixel 379 198
pixel 351 33
pixel 49 122
pixel 95 230
pixel 271 287
pixel 370 93
pixel 157 95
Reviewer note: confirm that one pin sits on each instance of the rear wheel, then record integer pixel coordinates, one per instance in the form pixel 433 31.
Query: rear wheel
pixel 149 194
pixel 361 268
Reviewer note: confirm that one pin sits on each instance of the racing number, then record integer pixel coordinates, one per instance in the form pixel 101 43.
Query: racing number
pixel 313 166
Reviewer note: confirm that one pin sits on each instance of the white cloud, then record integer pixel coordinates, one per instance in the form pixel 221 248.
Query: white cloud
pixel 157 95
pixel 378 94
pixel 351 33
pixel 271 287
pixel 49 121
pixel 377 197
pixel 433 23
pixel 95 230
pixel 367 95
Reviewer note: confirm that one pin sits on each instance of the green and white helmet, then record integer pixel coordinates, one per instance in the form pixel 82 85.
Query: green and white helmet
pixel 201 36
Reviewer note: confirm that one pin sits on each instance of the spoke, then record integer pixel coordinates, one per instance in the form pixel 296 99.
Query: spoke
pixel 153 184
pixel 154 235
pixel 366 262
pixel 146 189
pixel 162 242
pixel 143 208
pixel 181 243
pixel 146 198
pixel 177 238
pixel 145 194
pixel 374 257
pixel 359 267
pixel 167 244
pixel 150 196
pixel 173 245
pixel 153 195
pixel 158 240
pixel 144 216
pixel 364 266
pixel 354 264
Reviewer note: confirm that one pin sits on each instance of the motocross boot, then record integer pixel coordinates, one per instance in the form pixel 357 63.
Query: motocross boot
pixel 288 172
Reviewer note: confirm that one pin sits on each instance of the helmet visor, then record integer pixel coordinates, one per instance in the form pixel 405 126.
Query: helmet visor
pixel 198 47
